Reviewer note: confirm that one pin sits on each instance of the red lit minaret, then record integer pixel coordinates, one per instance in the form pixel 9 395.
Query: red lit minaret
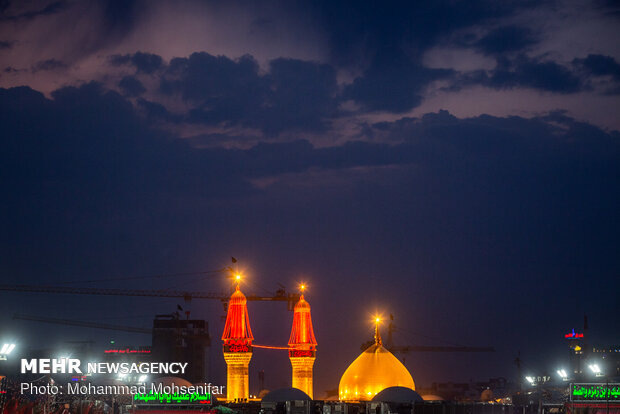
pixel 302 346
pixel 237 338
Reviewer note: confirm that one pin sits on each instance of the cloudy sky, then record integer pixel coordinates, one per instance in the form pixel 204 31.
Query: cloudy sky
pixel 453 163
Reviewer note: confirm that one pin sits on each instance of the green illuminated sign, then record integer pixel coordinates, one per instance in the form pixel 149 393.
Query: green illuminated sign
pixel 173 398
pixel 595 392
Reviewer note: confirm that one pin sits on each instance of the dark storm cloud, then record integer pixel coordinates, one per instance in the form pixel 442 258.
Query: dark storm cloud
pixel 514 137
pixel 120 15
pixel 506 39
pixel 304 96
pixel 600 72
pixel 49 64
pixel 72 30
pixel 533 73
pixel 89 160
pixel 48 9
pixel 524 72
pixel 157 112
pixel 90 156
pixel 393 82
pixel 389 39
pixel 221 89
pixel 94 188
pixel 599 65
pixel 11 69
pixel 131 86
pixel 301 95
pixel 211 75
pixel 143 62
pixel 612 7
pixel 386 41
pixel 100 128
pixel 294 94
pixel 357 28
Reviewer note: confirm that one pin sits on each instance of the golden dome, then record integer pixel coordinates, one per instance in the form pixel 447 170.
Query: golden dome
pixel 374 370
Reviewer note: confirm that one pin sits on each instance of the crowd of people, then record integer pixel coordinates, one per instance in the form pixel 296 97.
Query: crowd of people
pixel 13 401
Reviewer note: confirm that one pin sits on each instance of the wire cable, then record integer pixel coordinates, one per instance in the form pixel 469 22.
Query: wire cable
pixel 269 347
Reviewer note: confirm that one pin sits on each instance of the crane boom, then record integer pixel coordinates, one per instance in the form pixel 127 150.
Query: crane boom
pixel 81 323
pixel 405 349
pixel 430 348
pixel 280 295
pixel 112 291
pixel 413 348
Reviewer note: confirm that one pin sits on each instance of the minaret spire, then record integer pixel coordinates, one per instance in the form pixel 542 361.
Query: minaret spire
pixel 302 346
pixel 378 340
pixel 237 345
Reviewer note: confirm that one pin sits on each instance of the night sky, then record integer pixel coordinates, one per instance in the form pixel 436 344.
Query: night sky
pixel 453 163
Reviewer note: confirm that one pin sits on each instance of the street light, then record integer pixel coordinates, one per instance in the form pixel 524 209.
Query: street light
pixel 562 374
pixel 596 369
pixel 6 350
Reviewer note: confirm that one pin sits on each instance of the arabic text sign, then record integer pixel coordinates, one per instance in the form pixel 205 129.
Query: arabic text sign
pixel 173 398
pixel 595 392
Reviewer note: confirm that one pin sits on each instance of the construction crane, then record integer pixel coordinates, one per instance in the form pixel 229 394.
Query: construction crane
pixel 84 324
pixel 279 296
pixel 389 344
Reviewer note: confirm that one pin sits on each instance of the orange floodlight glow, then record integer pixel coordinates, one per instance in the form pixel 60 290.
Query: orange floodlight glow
pixel 373 371
pixel 237 327
pixel 302 346
pixel 302 334
pixel 237 339
pixel 377 318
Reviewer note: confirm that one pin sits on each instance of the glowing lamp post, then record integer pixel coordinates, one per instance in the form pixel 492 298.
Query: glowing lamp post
pixel 6 350
pixel 237 346
pixel 562 374
pixel 302 346
pixel 596 370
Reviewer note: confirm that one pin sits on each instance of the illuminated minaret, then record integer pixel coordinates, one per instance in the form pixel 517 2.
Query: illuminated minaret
pixel 237 339
pixel 302 346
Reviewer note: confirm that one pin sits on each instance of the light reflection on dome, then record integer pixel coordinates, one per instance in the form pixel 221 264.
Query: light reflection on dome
pixel 373 371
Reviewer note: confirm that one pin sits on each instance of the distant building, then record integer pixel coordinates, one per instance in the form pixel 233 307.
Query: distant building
pixel 182 340
pixel 468 391
pixel 610 359
pixel 578 352
pixel 583 354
